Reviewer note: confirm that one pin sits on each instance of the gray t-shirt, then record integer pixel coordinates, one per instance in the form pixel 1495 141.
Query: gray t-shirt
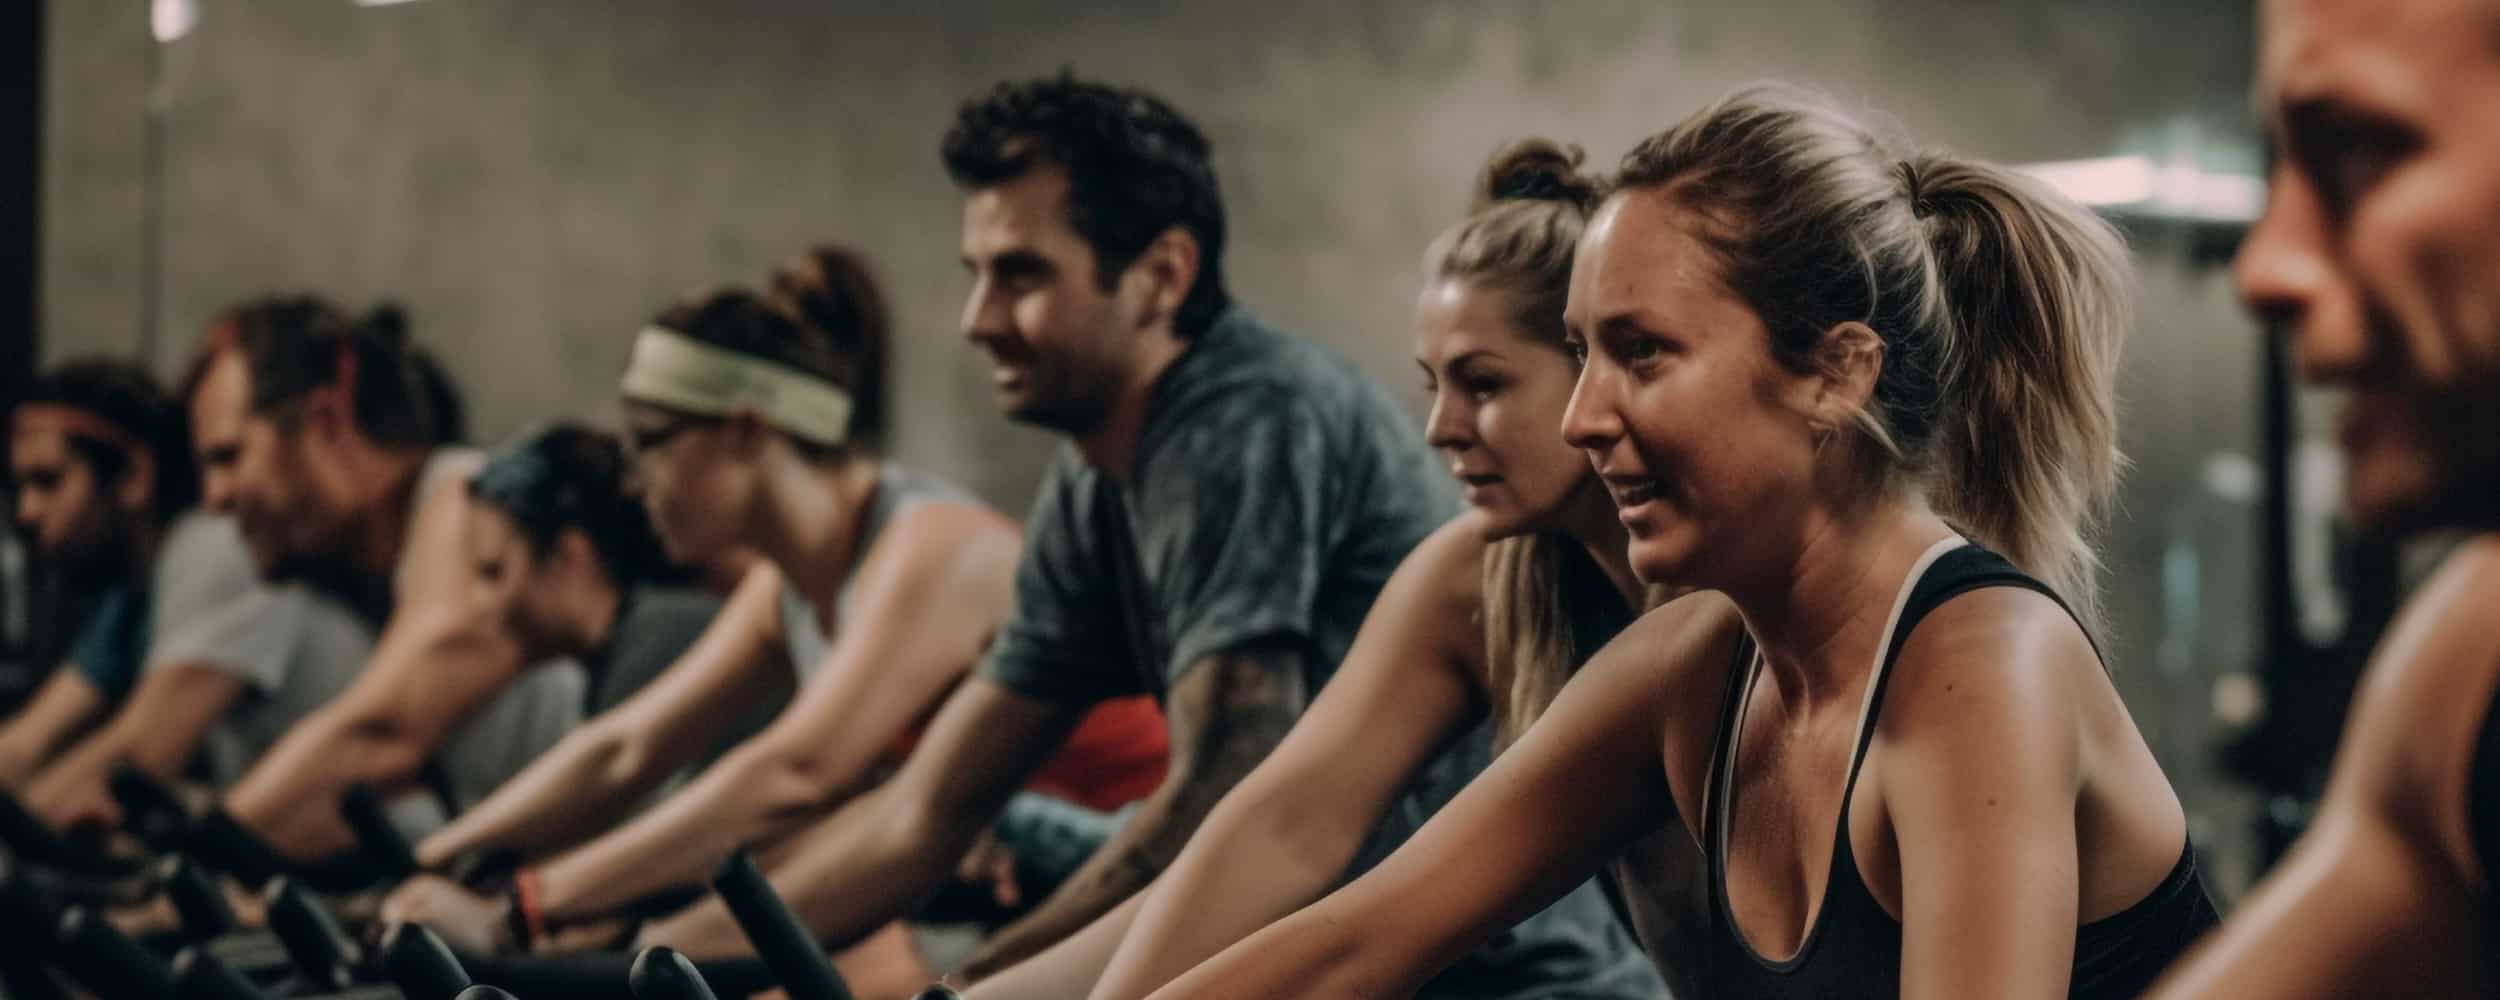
pixel 292 646
pixel 899 488
pixel 1274 492
pixel 657 625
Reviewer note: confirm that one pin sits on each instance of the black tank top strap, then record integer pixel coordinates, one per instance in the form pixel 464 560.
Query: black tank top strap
pixel 1958 571
pixel 1730 704
pixel 2485 794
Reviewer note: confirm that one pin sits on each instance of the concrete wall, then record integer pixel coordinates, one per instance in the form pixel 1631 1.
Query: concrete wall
pixel 533 177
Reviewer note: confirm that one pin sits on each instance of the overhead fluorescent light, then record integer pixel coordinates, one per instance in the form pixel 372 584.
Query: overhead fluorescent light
pixel 2141 186
pixel 379 3
pixel 172 19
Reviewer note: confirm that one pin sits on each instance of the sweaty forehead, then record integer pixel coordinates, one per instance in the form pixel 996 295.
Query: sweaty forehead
pixel 1640 247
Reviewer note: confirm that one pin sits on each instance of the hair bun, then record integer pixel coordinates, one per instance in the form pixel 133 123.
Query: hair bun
pixel 388 322
pixel 1536 170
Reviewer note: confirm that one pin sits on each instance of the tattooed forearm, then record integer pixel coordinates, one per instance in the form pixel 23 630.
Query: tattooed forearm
pixel 1225 715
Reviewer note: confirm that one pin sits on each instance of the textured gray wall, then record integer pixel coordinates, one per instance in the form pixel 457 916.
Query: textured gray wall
pixel 533 177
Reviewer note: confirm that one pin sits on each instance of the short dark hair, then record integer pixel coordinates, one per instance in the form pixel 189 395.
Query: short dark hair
pixel 294 344
pixel 127 397
pixel 1136 167
pixel 566 475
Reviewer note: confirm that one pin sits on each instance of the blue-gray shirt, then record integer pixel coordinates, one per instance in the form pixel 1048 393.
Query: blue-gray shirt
pixel 1274 491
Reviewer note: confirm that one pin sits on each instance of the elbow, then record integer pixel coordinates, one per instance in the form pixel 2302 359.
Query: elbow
pixel 619 758
pixel 791 782
pixel 386 754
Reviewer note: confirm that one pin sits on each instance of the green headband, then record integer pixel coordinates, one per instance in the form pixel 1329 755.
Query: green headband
pixel 676 371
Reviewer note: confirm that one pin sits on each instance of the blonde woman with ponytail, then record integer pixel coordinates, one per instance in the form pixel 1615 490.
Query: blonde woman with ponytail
pixel 1865 398
pixel 1537 559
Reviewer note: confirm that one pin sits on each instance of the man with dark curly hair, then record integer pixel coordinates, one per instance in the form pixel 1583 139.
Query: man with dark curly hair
pixel 1230 501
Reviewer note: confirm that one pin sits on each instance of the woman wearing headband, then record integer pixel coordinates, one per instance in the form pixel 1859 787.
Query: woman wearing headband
pixel 877 584
pixel 1824 381
pixel 1538 559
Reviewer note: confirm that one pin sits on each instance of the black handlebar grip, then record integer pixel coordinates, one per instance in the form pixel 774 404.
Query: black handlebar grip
pixel 779 939
pixel 106 961
pixel 197 900
pixel 376 837
pixel 25 908
pixel 198 975
pixel 35 841
pixel 661 973
pixel 223 844
pixel 149 809
pixel 421 965
pixel 320 950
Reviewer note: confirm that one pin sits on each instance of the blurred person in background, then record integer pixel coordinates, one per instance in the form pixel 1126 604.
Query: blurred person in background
pixel 100 468
pixel 2378 260
pixel 753 430
pixel 326 438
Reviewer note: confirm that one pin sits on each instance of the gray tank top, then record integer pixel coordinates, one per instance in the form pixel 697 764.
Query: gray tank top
pixel 899 488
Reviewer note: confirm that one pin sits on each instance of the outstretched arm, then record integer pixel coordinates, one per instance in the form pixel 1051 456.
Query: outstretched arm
pixel 168 714
pixel 933 588
pixel 596 772
pixel 1411 682
pixel 65 703
pixel 443 655
pixel 884 852
pixel 1225 715
pixel 1584 782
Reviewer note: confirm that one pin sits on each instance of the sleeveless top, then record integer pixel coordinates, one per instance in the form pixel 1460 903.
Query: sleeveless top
pixel 1116 756
pixel 1852 947
pixel 899 488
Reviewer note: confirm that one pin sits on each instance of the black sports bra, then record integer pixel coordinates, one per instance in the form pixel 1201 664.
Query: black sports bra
pixel 1853 947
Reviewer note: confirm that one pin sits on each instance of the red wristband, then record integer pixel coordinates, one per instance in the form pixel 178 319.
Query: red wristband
pixel 529 920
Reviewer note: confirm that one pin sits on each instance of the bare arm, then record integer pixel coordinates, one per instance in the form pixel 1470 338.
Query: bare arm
pixel 443 656
pixel 66 703
pixel 589 779
pixel 881 854
pixel 1067 969
pixel 935 585
pixel 1287 834
pixel 1585 781
pixel 1978 753
pixel 1226 714
pixel 2384 896
pixel 168 714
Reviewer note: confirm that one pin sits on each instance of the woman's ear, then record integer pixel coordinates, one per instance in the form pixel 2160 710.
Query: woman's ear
pixel 1849 360
pixel 572 546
